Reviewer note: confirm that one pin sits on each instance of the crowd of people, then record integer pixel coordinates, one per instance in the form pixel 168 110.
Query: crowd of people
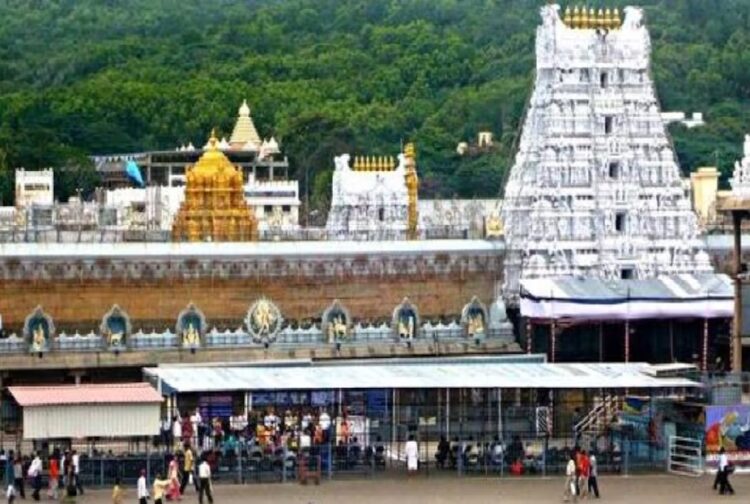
pixel 62 470
pixel 267 431
pixel 581 476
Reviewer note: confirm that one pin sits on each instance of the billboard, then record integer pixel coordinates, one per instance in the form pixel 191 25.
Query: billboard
pixel 728 427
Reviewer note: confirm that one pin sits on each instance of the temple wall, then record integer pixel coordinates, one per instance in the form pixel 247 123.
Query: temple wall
pixel 77 291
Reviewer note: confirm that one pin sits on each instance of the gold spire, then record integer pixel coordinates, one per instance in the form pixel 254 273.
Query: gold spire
pixel 592 18
pixel 584 18
pixel 600 21
pixel 576 17
pixel 608 18
pixel 568 17
pixel 616 19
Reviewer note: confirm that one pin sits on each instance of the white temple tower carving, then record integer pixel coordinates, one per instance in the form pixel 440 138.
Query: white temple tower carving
pixel 595 188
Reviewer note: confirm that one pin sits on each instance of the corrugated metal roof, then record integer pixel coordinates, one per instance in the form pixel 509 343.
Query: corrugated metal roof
pixel 119 393
pixel 480 373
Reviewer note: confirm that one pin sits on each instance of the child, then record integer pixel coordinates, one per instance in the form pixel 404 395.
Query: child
pixel 11 493
pixel 117 493
pixel 160 486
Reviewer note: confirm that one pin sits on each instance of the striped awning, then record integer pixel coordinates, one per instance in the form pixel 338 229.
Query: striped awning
pixel 678 296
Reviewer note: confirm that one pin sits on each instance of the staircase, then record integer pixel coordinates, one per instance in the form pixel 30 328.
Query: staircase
pixel 599 418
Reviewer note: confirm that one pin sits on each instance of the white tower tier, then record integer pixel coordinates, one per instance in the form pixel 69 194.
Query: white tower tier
pixel 595 188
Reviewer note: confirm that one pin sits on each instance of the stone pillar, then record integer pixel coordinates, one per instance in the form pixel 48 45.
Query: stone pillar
pixel 704 360
pixel 627 341
pixel 553 342
pixel 529 335
pixel 736 345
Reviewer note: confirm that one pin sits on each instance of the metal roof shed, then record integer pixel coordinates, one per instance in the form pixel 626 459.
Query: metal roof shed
pixel 84 411
pixel 410 374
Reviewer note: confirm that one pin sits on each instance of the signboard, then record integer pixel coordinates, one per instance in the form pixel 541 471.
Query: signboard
pixel 728 427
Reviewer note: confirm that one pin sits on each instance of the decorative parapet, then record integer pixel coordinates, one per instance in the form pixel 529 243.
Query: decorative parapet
pixel 582 18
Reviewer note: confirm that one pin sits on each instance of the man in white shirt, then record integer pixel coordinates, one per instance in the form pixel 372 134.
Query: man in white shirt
pixel 411 451
pixel 196 419
pixel 570 480
pixel 142 488
pixel 724 485
pixel 593 475
pixel 35 474
pixel 75 460
pixel 325 424
pixel 204 475
pixel 176 432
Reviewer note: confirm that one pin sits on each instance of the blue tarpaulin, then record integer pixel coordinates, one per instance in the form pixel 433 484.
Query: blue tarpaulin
pixel 134 173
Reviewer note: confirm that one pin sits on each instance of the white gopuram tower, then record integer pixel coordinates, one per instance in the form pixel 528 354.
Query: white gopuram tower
pixel 595 189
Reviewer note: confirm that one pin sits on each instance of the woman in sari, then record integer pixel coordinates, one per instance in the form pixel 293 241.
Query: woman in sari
pixel 173 476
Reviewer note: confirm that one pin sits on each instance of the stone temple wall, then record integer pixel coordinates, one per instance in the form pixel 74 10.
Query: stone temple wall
pixel 154 282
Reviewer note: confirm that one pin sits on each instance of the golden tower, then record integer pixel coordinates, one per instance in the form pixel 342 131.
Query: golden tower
pixel 412 185
pixel 214 208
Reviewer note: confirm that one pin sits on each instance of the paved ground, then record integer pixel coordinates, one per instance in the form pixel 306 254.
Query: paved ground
pixel 617 489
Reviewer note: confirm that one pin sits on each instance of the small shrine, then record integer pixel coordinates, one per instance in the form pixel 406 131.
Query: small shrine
pixel 214 208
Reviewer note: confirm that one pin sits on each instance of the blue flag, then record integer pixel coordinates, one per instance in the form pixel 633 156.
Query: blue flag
pixel 134 173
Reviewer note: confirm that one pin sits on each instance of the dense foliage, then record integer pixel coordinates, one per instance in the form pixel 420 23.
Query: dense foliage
pixel 326 76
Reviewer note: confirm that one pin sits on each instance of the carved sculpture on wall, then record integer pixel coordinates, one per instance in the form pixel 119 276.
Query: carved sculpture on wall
pixel 191 327
pixel 336 323
pixel 38 330
pixel 116 328
pixel 474 318
pixel 263 321
pixel 405 320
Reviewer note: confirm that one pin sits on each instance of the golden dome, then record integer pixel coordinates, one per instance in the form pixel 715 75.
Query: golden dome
pixel 214 208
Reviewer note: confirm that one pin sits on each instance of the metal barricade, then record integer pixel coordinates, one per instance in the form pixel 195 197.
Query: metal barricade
pixel 685 456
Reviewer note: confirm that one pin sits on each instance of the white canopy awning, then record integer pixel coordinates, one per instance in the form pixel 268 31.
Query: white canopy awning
pixel 678 296
pixel 410 374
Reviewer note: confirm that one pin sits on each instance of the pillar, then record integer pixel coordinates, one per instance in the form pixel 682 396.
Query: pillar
pixel 553 340
pixel 529 335
pixel 627 341
pixel 704 360
pixel 671 340
pixel 736 346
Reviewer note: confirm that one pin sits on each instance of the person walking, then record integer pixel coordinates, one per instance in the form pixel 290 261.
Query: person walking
pixel 583 476
pixel 10 493
pixel 18 479
pixel 75 460
pixel 570 480
pixel 204 475
pixel 35 475
pixel 725 470
pixel 412 456
pixel 54 478
pixel 142 489
pixel 593 475
pixel 173 490
pixel 188 470
pixel 118 495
